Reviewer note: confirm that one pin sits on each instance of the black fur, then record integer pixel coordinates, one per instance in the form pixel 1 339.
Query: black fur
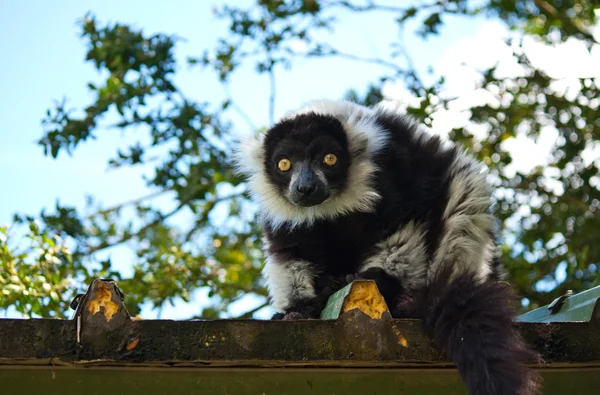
pixel 309 137
pixel 472 320
pixel 473 324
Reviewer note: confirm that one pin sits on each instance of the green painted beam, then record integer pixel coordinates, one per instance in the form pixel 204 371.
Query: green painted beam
pixel 211 381
pixel 574 308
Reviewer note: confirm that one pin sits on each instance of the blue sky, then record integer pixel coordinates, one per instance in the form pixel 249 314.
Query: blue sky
pixel 42 60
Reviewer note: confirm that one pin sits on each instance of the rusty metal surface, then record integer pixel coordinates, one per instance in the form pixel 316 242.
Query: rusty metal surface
pixel 354 340
pixel 361 294
pixel 102 333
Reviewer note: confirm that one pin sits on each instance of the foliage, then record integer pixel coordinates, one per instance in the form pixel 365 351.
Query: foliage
pixel 556 208
pixel 37 278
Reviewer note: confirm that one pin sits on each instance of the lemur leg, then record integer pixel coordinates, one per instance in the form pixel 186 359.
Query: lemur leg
pixel 398 266
pixel 291 285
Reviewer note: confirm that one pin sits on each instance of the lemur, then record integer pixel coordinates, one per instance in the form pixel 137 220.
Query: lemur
pixel 347 192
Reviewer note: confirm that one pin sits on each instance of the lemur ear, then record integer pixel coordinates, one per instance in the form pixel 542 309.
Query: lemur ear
pixel 249 154
pixel 358 144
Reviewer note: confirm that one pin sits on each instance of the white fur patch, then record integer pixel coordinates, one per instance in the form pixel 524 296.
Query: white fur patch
pixel 248 155
pixel 365 138
pixel 465 243
pixel 403 255
pixel 422 133
pixel 288 281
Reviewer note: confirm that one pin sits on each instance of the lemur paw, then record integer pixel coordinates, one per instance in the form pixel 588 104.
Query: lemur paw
pixel 375 273
pixel 294 316
pixel 303 311
pixel 352 277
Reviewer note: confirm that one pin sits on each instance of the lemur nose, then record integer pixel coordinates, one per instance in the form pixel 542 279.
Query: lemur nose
pixel 306 188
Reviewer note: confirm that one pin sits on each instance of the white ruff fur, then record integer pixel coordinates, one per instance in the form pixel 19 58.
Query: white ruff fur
pixel 466 244
pixel 365 138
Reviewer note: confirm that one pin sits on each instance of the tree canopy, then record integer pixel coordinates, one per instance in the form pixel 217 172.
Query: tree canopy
pixel 549 215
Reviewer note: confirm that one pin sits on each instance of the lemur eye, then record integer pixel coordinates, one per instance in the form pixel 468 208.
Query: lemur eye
pixel 330 159
pixel 284 164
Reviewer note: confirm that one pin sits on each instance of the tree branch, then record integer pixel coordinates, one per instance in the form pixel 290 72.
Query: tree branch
pixel 140 231
pixel 195 228
pixel 582 205
pixel 549 10
pixel 371 6
pixel 272 95
pixel 249 314
pixel 238 109
pixel 408 58
pixel 335 52
pixel 128 203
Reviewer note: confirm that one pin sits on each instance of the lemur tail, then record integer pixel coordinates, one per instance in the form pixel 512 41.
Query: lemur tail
pixel 473 323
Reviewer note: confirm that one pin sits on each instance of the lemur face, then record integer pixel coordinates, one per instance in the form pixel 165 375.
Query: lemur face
pixel 307 158
pixel 314 164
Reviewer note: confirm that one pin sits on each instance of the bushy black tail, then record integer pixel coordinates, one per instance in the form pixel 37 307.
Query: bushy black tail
pixel 473 323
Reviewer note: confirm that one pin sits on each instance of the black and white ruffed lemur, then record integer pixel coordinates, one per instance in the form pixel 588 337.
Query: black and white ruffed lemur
pixel 348 192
